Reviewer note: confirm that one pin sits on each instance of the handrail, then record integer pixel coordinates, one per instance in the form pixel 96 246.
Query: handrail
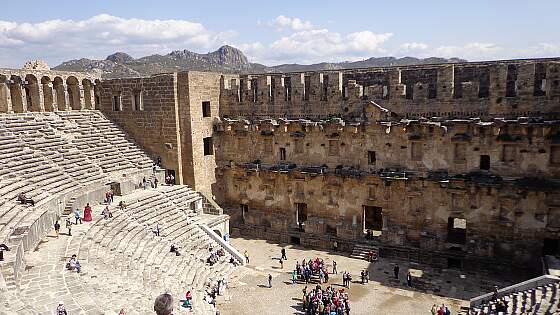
pixel 522 286
pixel 230 249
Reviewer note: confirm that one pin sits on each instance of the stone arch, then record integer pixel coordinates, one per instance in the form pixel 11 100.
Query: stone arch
pixel 33 96
pixel 60 93
pixel 17 93
pixel 73 89
pixel 49 99
pixel 5 97
pixel 88 94
pixel 97 94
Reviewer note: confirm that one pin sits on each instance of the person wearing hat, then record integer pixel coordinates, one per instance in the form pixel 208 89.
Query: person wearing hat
pixel 61 310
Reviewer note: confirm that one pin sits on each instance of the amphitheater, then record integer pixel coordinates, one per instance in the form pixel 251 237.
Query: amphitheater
pixel 451 171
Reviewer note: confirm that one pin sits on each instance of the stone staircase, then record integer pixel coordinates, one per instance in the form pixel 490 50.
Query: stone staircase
pixel 361 250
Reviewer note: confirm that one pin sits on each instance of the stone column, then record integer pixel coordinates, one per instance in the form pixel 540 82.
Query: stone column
pixel 41 97
pixel 66 106
pixel 23 98
pixel 80 90
pixel 54 93
pixel 5 98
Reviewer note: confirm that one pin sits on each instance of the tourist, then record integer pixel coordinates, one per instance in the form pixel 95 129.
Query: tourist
pixel 122 205
pixel 60 309
pixel 56 228
pixel 144 183
pixel 283 251
pixel 294 277
pixel 281 263
pixel 328 301
pixel 367 276
pixel 121 312
pixel 363 277
pixel 69 226
pixel 334 271
pixel 335 246
pixel 163 304
pixel 409 279
pixel 187 303
pixel 434 310
pixel 396 271
pixel 155 182
pixel 22 198
pixel 157 230
pixel 77 216
pixel 107 213
pixel 246 256
pixel 171 179
pixel 87 213
pixel 74 264
pixel 269 280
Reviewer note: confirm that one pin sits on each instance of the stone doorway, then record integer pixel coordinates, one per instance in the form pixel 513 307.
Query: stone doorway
pixel 372 218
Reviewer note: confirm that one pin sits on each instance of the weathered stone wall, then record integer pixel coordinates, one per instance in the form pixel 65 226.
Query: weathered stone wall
pixel 154 127
pixel 170 123
pixel 505 220
pixel 514 147
pixel 421 174
pixel 199 87
pixel 481 89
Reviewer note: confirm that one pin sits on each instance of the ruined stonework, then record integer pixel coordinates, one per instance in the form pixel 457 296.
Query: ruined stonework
pixel 165 113
pixel 444 164
pixel 422 177
pixel 508 88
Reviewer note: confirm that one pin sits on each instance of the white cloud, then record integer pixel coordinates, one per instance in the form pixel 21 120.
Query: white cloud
pixel 283 22
pixel 100 35
pixel 318 45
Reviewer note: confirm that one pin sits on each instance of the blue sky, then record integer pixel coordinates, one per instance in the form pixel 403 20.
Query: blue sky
pixel 274 32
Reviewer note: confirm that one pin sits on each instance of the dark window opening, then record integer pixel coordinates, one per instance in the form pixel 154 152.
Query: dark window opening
pixel 97 100
pixel 485 162
pixel 325 94
pixel 454 263
pixel 484 85
pixel 539 85
pixel 551 246
pixel 432 90
pixel 457 231
pixel 288 89
pixel 373 218
pixel 301 215
pixel 254 89
pixel 137 101
pixel 409 91
pixel 208 148
pixel 206 112
pixel 371 158
pixel 272 90
pixel 511 81
pixel 295 240
pixel 241 89
pixel 306 87
pixel 282 154
pixel 117 103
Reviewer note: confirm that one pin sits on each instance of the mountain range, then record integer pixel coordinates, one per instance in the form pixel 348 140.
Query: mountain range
pixel 225 59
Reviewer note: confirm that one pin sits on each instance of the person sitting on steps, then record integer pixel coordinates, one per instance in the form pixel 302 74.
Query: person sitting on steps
pixel 24 200
pixel 74 264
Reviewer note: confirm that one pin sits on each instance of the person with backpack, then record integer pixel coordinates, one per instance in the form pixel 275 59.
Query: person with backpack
pixel 56 228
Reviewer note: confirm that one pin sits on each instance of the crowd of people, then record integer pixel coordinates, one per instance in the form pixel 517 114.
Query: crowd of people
pixel 328 301
pixel 308 269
